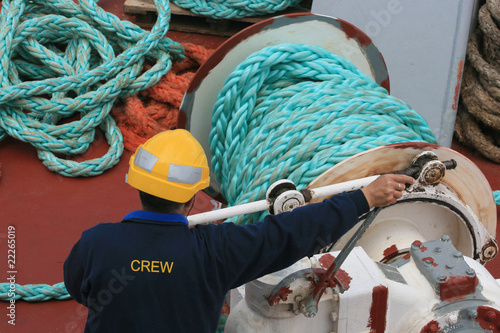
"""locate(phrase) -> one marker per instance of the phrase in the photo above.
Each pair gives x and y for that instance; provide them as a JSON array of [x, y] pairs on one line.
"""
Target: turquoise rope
[[60, 59], [496, 194], [293, 111], [224, 9], [33, 292], [102, 61]]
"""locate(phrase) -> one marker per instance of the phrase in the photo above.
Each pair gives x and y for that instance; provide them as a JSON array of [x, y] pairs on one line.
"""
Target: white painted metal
[[424, 45], [466, 183], [410, 303], [262, 205], [423, 216]]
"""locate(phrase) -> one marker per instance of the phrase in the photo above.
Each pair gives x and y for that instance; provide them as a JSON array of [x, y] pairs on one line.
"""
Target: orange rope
[[156, 109]]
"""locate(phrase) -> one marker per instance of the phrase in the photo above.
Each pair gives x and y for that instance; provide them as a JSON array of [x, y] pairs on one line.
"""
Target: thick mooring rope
[[293, 111], [63, 60], [156, 109], [33, 292], [478, 118], [224, 9]]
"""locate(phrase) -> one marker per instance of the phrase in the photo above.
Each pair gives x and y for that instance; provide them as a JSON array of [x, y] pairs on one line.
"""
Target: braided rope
[[33, 292], [294, 111], [223, 9], [59, 60]]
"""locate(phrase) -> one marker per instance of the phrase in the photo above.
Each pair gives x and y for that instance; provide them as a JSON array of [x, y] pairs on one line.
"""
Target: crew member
[[151, 272]]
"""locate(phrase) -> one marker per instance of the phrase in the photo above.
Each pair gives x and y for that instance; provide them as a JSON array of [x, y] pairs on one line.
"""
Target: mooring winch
[[418, 266], [421, 283]]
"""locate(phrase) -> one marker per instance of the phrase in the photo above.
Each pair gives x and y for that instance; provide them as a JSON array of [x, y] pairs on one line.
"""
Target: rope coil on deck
[[223, 9], [293, 111], [61, 60], [478, 119]]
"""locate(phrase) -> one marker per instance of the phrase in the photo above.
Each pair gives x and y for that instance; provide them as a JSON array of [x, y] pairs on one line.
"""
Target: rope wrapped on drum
[[293, 111], [61, 60], [478, 118], [223, 9]]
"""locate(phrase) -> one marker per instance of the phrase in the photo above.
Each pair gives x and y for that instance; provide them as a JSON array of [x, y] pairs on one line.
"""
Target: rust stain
[[341, 276], [378, 311], [352, 32], [386, 85], [431, 327], [419, 244], [281, 295], [456, 287], [431, 260], [488, 318], [457, 87], [215, 58], [390, 252]]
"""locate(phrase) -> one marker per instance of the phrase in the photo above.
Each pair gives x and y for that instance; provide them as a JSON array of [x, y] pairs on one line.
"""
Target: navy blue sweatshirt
[[152, 273]]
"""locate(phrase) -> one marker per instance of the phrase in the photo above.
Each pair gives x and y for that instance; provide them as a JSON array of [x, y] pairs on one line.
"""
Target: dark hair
[[158, 205]]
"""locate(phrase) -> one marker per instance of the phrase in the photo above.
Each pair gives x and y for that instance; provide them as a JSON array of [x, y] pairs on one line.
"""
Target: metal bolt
[[449, 266], [445, 238], [298, 298], [471, 272], [472, 314], [437, 250], [458, 254], [490, 252], [442, 278]]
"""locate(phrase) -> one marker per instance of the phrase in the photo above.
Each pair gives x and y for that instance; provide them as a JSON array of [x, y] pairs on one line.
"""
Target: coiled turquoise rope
[[496, 194], [61, 59], [224, 9], [293, 111]]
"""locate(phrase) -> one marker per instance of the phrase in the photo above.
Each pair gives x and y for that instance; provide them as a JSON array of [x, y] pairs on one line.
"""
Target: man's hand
[[386, 189]]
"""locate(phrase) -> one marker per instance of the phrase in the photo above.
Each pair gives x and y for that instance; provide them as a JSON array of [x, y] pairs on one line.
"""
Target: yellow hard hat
[[171, 165]]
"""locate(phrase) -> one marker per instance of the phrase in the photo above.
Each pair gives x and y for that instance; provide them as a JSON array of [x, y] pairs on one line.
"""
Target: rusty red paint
[[378, 311], [221, 52], [326, 260], [457, 87], [341, 276], [406, 256], [386, 84], [456, 287], [488, 318], [390, 252], [429, 259], [353, 32], [419, 244], [431, 327], [414, 145], [181, 119], [281, 295]]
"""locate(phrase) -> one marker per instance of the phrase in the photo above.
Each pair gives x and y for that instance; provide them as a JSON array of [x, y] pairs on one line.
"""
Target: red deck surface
[[50, 211]]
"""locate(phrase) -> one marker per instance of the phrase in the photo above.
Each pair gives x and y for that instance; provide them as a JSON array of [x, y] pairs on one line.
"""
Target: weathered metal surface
[[462, 205], [431, 292]]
